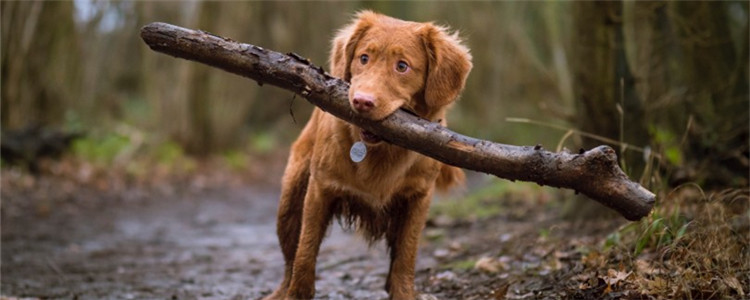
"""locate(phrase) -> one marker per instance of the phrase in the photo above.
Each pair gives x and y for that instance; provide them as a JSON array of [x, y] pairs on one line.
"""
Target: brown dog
[[390, 64]]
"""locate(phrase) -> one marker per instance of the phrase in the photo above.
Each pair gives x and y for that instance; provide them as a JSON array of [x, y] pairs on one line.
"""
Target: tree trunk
[[603, 87], [198, 137], [40, 56], [713, 73], [606, 101]]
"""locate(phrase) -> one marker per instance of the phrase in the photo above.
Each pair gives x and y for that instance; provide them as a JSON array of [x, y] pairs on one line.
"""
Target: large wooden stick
[[594, 173]]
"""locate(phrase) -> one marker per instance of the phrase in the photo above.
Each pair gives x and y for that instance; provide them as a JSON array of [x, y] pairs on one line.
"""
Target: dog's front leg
[[403, 241], [316, 216]]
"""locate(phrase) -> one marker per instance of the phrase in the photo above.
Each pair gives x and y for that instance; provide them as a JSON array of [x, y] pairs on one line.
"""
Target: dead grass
[[695, 245]]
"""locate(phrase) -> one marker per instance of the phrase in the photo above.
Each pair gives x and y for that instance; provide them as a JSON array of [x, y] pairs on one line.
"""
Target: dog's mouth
[[369, 137]]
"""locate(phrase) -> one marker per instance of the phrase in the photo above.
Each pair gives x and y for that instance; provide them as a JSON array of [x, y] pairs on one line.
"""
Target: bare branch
[[594, 173]]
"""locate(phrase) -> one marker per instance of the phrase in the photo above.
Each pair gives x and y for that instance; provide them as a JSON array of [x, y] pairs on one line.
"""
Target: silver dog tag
[[358, 151]]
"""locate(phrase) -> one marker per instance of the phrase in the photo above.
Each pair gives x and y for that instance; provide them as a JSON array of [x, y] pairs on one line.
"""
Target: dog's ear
[[448, 65], [346, 41]]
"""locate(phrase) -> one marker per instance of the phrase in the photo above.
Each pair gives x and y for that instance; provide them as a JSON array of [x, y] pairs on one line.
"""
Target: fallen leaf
[[487, 264], [593, 259], [614, 277], [501, 291]]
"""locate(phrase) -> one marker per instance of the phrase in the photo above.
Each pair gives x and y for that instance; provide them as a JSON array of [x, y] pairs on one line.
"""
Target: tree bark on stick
[[594, 173]]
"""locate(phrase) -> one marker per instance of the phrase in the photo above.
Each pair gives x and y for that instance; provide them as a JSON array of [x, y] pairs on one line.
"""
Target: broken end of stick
[[618, 192], [644, 203], [650, 197], [629, 199]]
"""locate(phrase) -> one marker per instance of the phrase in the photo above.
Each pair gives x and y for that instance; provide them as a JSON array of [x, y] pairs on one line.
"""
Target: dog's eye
[[402, 66], [364, 59]]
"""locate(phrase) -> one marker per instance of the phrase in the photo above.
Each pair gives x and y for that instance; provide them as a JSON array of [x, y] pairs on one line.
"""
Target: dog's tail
[[449, 177]]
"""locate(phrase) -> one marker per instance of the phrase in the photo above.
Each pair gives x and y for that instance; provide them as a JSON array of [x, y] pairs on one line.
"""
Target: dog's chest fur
[[371, 193]]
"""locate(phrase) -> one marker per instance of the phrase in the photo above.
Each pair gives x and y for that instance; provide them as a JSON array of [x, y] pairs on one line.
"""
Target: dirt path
[[209, 244], [61, 241]]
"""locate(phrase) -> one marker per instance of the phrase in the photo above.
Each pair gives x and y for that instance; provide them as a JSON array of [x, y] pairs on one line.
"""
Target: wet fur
[[387, 195]]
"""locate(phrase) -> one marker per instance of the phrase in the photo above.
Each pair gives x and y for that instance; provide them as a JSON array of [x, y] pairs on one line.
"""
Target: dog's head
[[392, 63]]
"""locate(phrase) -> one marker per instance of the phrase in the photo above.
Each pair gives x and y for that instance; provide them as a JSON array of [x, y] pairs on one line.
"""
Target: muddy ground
[[189, 239]]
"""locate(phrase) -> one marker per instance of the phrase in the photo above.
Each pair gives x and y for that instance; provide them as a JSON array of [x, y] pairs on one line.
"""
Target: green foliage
[[462, 265], [263, 142], [613, 239], [136, 111], [235, 159], [138, 153], [169, 152], [544, 233], [481, 203], [667, 140], [491, 200], [102, 150], [171, 156], [662, 228]]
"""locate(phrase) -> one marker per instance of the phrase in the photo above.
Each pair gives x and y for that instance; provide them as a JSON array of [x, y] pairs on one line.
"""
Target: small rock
[[505, 237], [445, 276], [441, 253]]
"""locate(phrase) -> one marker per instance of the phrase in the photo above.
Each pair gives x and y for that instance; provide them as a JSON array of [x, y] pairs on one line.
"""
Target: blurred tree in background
[[671, 77], [41, 62]]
